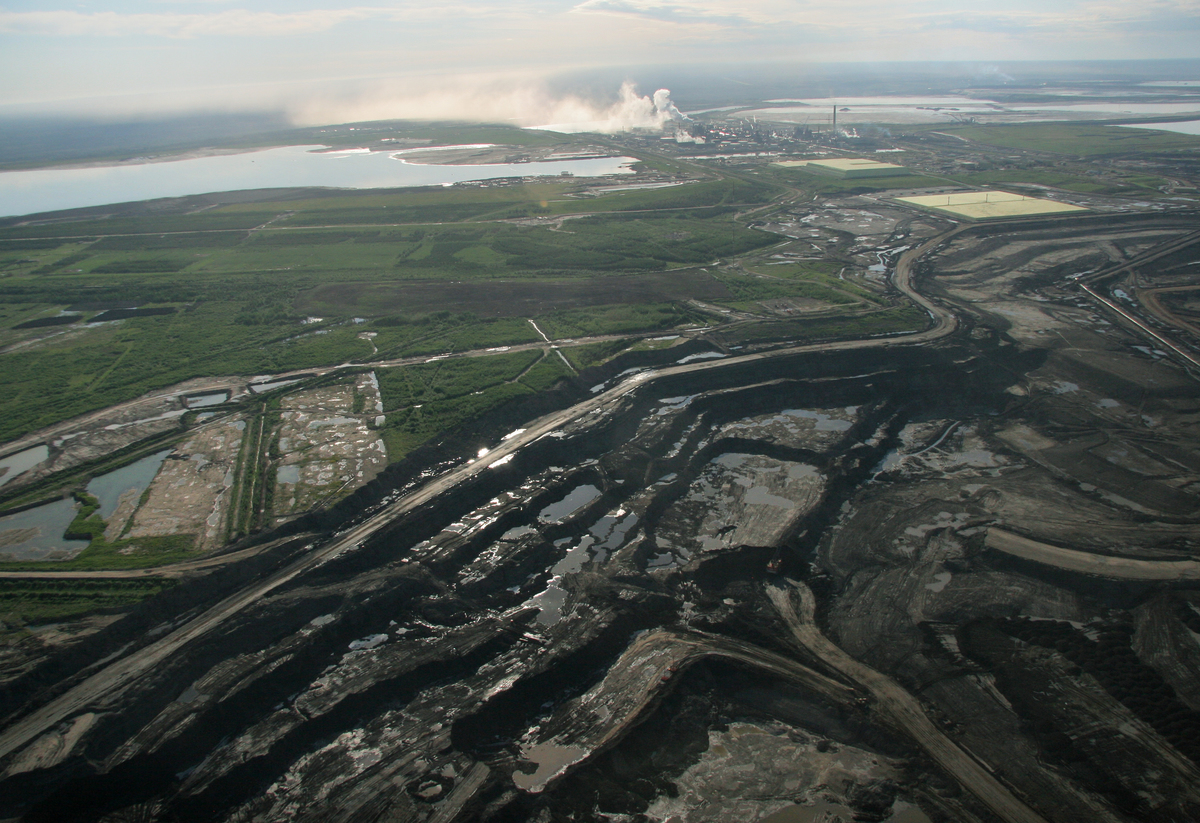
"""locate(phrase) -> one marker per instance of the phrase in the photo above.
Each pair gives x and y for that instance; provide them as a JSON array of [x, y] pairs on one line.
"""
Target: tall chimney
[[835, 120]]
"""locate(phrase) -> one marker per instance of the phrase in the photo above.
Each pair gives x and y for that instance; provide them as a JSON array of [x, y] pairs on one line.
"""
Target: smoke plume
[[488, 101]]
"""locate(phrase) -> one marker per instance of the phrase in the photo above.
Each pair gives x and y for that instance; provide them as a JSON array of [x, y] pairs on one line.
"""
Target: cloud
[[707, 11], [236, 22], [231, 22]]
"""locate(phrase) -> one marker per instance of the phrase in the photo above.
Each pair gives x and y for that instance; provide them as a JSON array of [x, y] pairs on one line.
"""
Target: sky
[[323, 61]]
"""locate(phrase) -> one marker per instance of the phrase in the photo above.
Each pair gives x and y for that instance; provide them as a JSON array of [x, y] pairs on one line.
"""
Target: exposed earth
[[947, 575]]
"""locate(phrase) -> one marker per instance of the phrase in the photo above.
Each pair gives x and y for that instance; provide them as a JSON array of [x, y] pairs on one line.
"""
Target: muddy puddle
[[108, 488], [551, 760]]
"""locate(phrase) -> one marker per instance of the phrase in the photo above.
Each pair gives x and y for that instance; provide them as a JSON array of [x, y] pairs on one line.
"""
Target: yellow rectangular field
[[989, 205], [847, 167]]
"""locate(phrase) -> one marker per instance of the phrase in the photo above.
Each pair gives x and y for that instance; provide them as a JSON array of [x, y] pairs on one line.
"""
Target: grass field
[[889, 321], [823, 184], [1078, 139], [241, 278], [1130, 185], [424, 400]]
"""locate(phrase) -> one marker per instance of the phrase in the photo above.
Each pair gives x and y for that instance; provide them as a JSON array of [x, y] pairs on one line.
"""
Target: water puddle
[[573, 502], [37, 534], [939, 582], [367, 643], [552, 759], [112, 427], [550, 603], [708, 355], [16, 464], [574, 559], [761, 496], [260, 388], [516, 533], [611, 531], [288, 474], [199, 401], [108, 488], [824, 422]]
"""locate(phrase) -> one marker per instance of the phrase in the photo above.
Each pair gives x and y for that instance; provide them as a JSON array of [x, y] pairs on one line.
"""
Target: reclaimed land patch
[[510, 298]]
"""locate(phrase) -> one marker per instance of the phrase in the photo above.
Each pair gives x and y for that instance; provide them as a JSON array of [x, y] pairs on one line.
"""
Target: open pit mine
[[943, 576]]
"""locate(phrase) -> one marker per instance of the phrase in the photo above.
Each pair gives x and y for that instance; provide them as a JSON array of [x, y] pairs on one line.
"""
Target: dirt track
[[1122, 568], [897, 706]]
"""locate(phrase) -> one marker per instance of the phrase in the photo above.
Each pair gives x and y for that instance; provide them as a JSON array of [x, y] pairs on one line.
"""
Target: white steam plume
[[489, 101]]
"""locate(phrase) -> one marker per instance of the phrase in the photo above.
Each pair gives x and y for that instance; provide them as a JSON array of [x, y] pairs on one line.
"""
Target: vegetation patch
[[26, 602], [620, 319], [889, 321], [450, 378], [1075, 138], [583, 357], [506, 298], [546, 373]]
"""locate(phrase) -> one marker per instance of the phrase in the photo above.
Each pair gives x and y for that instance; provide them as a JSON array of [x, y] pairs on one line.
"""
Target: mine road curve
[[899, 708], [170, 570], [1120, 568], [639, 677], [121, 673]]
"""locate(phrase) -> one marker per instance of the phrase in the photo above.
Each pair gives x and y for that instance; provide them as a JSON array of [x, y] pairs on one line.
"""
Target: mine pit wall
[[926, 372]]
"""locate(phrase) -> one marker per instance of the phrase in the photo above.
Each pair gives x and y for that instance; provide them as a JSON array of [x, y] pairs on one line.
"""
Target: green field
[[822, 184], [337, 278], [1078, 139], [239, 292], [1129, 185]]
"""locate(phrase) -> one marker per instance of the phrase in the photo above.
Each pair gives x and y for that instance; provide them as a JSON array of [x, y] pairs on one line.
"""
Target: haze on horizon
[[326, 62]]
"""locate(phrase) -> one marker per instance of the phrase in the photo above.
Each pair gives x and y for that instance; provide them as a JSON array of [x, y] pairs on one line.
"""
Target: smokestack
[[835, 120]]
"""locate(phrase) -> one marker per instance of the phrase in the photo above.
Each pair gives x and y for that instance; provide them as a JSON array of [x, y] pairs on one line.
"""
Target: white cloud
[[231, 22]]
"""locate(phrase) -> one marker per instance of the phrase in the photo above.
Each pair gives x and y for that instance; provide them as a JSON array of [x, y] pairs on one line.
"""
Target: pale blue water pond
[[40, 190], [108, 488], [37, 534]]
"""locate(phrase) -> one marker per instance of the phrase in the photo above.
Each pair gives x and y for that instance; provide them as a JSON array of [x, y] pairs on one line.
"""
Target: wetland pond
[[42, 190], [37, 533], [108, 488], [17, 464]]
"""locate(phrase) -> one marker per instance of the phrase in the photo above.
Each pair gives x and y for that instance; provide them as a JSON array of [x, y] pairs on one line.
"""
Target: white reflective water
[[40, 190]]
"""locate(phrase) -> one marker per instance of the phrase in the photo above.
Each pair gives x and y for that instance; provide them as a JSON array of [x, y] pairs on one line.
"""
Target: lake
[[1181, 127], [41, 190]]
